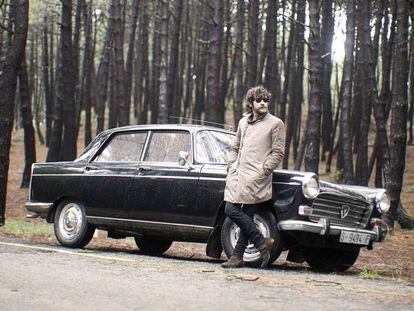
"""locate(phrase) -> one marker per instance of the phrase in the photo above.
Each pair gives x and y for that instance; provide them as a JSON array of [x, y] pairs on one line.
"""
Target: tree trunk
[[141, 66], [252, 43], [239, 88], [52, 69], [327, 32], [298, 79], [111, 96], [315, 100], [347, 80], [214, 110], [295, 86], [87, 73], [368, 78], [411, 110], [36, 92], [188, 98], [225, 75], [130, 56], [398, 135], [48, 95], [27, 118], [80, 4], [103, 74], [121, 112], [173, 108], [8, 79], [202, 37], [156, 58], [145, 64], [66, 84], [272, 77], [163, 111], [281, 112], [55, 145]]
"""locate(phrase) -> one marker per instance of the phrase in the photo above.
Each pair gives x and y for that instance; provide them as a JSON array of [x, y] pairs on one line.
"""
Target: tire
[[267, 224], [70, 225], [328, 260], [152, 245]]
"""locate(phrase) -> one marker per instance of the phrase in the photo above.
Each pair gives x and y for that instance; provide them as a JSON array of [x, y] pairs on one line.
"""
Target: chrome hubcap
[[251, 254], [70, 221]]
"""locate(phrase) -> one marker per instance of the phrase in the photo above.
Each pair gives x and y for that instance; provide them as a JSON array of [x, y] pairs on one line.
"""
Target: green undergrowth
[[369, 274], [26, 226]]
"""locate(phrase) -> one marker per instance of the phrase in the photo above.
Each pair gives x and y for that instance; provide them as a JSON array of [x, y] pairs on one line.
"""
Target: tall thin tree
[[8, 79]]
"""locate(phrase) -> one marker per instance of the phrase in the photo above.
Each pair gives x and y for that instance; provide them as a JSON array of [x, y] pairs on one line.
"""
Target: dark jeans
[[242, 215]]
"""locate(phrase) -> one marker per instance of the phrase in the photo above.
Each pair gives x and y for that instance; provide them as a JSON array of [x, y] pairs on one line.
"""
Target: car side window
[[165, 146], [213, 146], [123, 148]]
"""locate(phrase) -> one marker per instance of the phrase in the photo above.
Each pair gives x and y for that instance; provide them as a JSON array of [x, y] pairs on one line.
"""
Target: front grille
[[329, 205]]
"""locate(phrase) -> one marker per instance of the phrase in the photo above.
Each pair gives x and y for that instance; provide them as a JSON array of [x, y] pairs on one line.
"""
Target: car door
[[163, 190], [110, 173]]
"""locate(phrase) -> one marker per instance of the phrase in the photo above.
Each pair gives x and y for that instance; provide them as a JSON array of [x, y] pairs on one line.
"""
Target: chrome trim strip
[[30, 184], [150, 222], [166, 177], [144, 149], [38, 207], [120, 175], [85, 175], [292, 183], [213, 178], [299, 225]]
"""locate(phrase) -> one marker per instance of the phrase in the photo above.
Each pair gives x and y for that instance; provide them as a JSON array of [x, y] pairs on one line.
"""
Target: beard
[[260, 111]]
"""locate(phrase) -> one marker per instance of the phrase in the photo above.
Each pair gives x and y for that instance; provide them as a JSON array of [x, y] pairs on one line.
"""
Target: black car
[[165, 183]]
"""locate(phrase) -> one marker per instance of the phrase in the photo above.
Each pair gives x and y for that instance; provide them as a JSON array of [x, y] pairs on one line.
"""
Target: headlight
[[382, 201], [310, 186]]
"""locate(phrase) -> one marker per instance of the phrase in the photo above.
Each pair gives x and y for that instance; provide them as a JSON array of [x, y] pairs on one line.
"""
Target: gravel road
[[47, 277]]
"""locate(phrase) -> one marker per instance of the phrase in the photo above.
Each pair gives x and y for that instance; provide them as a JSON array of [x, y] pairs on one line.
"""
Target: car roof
[[187, 127]]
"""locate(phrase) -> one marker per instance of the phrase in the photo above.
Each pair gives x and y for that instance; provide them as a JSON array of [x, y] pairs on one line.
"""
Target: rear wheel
[[70, 225], [267, 225], [330, 259], [152, 245]]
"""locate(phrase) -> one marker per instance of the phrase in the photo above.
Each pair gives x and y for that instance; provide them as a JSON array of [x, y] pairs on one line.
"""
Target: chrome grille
[[329, 205]]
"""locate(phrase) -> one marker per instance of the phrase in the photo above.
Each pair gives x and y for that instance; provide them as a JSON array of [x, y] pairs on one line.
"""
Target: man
[[258, 149]]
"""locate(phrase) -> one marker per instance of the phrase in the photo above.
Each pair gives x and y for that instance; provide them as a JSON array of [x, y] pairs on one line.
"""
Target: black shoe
[[233, 262], [264, 250]]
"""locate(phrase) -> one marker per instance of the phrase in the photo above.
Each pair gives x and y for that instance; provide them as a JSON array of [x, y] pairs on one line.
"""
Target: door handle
[[91, 168], [145, 168]]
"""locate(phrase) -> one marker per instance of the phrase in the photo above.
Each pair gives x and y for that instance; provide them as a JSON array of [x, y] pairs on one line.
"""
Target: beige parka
[[258, 148]]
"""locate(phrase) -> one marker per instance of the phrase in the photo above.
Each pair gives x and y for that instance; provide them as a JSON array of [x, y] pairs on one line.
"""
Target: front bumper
[[323, 227], [41, 209]]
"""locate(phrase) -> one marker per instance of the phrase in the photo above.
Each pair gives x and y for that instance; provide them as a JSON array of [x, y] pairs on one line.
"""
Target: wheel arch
[[51, 215], [214, 245]]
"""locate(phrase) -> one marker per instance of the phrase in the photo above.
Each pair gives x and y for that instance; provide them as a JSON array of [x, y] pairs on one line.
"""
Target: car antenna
[[194, 121]]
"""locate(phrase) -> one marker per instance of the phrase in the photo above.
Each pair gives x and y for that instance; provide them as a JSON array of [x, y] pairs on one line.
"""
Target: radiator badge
[[345, 211]]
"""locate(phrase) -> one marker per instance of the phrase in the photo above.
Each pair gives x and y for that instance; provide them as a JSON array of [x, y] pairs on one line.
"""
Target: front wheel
[[267, 225], [152, 245], [70, 225], [330, 259]]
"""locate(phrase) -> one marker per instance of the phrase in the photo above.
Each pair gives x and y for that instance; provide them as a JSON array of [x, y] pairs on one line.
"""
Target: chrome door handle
[[145, 168], [91, 168]]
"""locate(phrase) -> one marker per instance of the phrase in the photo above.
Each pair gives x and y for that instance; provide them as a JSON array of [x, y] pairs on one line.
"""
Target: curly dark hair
[[256, 92]]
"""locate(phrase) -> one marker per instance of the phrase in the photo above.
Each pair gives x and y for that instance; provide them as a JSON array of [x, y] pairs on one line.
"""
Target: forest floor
[[392, 259]]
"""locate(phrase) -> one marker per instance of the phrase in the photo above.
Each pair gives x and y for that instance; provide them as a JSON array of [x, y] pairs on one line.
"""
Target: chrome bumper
[[324, 228], [39, 208]]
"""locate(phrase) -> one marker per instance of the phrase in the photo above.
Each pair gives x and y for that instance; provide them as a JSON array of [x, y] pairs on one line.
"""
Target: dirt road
[[47, 277]]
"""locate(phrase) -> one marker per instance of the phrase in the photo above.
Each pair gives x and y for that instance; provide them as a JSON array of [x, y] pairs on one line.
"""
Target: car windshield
[[213, 146]]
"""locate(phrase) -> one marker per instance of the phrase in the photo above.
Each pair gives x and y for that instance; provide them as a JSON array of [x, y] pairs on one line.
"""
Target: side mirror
[[183, 158]]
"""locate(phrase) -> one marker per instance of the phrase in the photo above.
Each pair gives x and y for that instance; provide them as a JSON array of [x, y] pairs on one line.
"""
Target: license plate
[[354, 238]]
